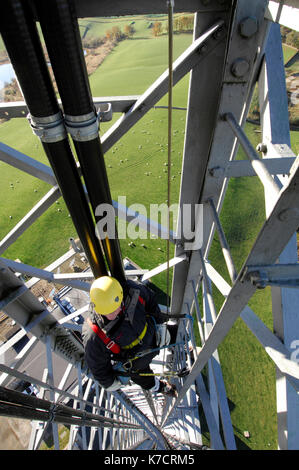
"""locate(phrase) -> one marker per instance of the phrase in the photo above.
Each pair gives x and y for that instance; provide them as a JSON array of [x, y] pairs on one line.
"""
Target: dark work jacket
[[123, 330]]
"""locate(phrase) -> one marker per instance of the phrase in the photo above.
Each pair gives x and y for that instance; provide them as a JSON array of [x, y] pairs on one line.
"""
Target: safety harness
[[126, 366], [109, 343], [112, 345]]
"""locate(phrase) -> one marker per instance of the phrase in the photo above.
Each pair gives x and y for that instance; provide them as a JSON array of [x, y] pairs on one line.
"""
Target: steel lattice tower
[[236, 47]]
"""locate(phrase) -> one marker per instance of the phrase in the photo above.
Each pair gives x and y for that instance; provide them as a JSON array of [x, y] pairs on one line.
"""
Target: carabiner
[[143, 353], [129, 361]]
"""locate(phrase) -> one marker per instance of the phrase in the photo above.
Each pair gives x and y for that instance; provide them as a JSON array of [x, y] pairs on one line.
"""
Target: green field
[[136, 169], [288, 52]]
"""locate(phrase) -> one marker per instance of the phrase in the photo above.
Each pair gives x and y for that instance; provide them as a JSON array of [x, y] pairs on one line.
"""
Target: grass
[[288, 52], [136, 169], [129, 69], [48, 237], [248, 373]]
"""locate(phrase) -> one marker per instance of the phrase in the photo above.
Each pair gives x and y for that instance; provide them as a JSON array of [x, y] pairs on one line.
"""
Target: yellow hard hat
[[106, 294]]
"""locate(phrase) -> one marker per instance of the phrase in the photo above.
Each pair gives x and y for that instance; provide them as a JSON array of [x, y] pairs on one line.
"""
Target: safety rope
[[127, 365], [170, 4]]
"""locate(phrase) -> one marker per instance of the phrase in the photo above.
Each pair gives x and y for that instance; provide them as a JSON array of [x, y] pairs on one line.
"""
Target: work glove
[[162, 335], [114, 386]]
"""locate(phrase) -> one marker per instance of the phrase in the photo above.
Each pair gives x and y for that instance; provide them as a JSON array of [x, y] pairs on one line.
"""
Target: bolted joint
[[202, 49], [248, 27], [105, 112], [240, 67], [218, 33], [288, 214], [258, 279], [262, 148]]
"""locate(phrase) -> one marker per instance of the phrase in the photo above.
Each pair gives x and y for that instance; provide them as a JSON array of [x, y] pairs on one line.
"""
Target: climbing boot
[[167, 389]]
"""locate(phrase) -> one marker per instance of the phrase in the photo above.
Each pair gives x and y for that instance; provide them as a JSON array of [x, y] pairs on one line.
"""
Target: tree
[[108, 34], [157, 28], [116, 33], [293, 39], [129, 30]]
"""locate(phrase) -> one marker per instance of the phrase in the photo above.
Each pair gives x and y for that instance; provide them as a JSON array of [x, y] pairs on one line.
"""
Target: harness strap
[[109, 343], [137, 340]]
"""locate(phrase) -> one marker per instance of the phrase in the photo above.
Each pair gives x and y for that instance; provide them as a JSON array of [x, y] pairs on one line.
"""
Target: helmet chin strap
[[91, 306]]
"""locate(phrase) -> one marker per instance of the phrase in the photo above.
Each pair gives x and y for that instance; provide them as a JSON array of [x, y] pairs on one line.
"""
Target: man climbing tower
[[122, 323]]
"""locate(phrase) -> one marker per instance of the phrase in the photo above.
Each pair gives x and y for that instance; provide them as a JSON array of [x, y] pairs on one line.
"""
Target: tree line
[[289, 36], [114, 34], [182, 24]]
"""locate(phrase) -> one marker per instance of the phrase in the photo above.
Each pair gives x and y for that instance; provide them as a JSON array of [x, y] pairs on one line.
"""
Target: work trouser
[[148, 381]]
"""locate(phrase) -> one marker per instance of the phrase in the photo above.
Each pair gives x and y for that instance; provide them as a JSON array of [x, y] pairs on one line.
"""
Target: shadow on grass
[[240, 444]]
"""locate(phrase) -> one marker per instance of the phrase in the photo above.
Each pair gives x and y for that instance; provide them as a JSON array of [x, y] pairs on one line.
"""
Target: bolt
[[240, 67], [288, 214], [248, 27], [217, 33], [202, 49], [262, 148]]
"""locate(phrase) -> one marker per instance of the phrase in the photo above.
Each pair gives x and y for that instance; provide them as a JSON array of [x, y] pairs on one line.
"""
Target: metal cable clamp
[[49, 128], [82, 128]]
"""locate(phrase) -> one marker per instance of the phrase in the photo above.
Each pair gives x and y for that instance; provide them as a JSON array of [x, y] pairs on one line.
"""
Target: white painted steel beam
[[194, 54], [38, 427], [27, 311], [216, 441], [224, 244], [120, 104], [270, 242], [273, 346], [270, 185], [285, 12], [241, 168], [276, 133], [46, 275], [235, 91], [62, 259], [27, 164], [162, 267], [284, 275], [201, 116], [19, 359], [215, 374], [151, 226]]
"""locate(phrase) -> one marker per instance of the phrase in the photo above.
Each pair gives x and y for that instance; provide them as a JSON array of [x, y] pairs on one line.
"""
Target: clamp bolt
[[261, 148], [240, 67], [248, 27]]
